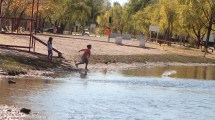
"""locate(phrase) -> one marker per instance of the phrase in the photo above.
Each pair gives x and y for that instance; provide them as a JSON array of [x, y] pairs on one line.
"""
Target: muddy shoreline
[[10, 112], [54, 72]]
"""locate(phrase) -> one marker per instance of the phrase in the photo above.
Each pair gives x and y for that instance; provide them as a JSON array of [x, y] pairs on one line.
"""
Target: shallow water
[[187, 72], [160, 93]]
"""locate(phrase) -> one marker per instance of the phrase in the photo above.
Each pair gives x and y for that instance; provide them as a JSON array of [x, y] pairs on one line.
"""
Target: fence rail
[[39, 40]]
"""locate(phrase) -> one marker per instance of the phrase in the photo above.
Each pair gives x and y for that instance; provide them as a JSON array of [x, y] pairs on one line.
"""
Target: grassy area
[[150, 58], [14, 65]]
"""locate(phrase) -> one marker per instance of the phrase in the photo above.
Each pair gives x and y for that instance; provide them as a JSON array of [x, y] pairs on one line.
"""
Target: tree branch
[[205, 13], [193, 27], [202, 22]]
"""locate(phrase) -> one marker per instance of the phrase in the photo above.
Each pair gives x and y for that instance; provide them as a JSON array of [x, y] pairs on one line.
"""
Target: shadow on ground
[[21, 60]]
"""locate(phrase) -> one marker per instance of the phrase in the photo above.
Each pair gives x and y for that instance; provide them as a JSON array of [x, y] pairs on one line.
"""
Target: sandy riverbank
[[105, 56]]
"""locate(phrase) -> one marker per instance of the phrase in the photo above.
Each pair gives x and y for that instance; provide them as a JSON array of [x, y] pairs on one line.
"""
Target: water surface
[[186, 72], [160, 93]]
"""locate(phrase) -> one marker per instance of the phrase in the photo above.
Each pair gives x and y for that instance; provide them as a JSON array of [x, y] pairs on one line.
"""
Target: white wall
[[211, 39]]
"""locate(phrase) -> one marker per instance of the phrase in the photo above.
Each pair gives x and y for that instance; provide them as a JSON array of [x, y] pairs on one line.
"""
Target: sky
[[120, 1]]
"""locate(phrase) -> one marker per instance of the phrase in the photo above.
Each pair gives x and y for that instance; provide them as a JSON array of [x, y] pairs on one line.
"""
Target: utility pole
[[36, 23], [1, 7], [1, 14], [110, 21]]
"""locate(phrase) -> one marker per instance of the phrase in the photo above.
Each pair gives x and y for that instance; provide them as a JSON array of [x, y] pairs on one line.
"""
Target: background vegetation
[[176, 18]]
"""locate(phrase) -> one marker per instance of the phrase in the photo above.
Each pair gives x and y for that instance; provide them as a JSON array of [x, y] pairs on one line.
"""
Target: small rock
[[11, 82], [25, 110], [9, 110]]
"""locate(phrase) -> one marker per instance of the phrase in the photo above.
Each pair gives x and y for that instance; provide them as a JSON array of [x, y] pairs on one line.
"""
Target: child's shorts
[[84, 60]]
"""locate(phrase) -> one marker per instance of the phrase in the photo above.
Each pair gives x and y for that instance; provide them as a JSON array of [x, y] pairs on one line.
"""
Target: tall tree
[[136, 5], [208, 8], [189, 19]]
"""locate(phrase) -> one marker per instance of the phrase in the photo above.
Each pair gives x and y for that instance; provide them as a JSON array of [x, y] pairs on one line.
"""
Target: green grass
[[20, 64], [149, 58], [14, 65]]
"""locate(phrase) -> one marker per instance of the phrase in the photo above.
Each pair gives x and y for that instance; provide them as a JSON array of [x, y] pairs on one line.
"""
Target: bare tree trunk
[[20, 16], [5, 13], [198, 35], [1, 1], [208, 34]]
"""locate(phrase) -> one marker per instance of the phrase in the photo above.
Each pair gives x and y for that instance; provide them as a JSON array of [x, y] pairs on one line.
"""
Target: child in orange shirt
[[85, 56]]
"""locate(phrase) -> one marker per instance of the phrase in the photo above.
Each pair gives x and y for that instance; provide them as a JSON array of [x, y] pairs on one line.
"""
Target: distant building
[[211, 39]]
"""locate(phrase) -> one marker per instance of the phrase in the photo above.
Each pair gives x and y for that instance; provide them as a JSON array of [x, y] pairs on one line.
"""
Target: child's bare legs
[[78, 64], [50, 55], [83, 60], [86, 66], [81, 63]]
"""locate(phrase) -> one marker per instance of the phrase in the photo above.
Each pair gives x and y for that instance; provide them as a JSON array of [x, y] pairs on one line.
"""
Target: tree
[[140, 13], [60, 13], [208, 8], [97, 7], [190, 20], [15, 8], [137, 5], [116, 12], [80, 12], [103, 17], [119, 19]]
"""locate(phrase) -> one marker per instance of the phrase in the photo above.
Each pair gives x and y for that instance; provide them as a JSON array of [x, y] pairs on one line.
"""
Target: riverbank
[[10, 113], [27, 65], [105, 55]]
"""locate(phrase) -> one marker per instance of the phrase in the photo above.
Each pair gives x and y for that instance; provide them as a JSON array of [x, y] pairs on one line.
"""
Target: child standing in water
[[85, 56], [49, 46]]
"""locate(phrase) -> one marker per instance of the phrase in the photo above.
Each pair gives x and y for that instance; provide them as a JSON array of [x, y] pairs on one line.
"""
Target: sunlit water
[[158, 93]]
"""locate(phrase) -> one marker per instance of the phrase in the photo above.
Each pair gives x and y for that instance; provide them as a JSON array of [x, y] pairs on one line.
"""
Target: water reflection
[[83, 74], [190, 72], [22, 88]]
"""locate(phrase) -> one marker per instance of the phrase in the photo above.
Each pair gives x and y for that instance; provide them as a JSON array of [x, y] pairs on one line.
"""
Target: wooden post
[[150, 35], [110, 22], [34, 44], [32, 16], [157, 37], [109, 34], [36, 25], [1, 13], [17, 31], [1, 7], [12, 26]]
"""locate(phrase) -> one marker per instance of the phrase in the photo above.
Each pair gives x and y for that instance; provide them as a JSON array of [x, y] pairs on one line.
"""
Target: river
[[154, 93]]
